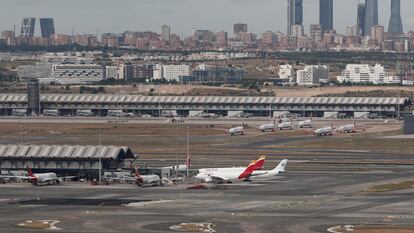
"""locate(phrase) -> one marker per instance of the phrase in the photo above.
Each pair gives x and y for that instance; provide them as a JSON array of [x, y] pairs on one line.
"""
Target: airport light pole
[[21, 134], [188, 152], [100, 157]]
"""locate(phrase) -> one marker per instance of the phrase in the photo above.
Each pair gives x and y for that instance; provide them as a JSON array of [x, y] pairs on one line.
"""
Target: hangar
[[83, 161]]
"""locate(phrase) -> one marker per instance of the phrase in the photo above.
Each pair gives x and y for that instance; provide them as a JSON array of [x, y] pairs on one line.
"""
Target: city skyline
[[120, 18]]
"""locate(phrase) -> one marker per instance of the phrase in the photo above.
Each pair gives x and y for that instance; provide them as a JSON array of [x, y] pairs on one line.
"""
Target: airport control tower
[[33, 97]]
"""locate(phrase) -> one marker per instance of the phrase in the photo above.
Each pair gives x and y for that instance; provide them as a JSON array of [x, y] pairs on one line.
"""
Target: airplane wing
[[219, 179]]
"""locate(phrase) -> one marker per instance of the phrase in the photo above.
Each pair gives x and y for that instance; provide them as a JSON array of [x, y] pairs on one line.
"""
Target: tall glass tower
[[395, 26], [28, 27], [47, 27], [294, 14], [361, 19], [326, 14], [371, 15]]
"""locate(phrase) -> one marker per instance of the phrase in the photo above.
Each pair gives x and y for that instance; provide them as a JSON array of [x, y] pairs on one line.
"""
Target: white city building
[[364, 73], [111, 72], [286, 73], [312, 75], [171, 72]]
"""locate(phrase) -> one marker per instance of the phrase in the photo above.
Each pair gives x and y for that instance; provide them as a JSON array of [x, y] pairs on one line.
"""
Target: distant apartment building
[[286, 73], [316, 32], [170, 72], [297, 31], [352, 31], [377, 33], [111, 72], [364, 73], [166, 33], [239, 28], [222, 38], [126, 72], [312, 75], [269, 38]]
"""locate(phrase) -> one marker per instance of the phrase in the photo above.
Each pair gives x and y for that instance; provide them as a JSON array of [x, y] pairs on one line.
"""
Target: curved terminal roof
[[66, 152], [131, 99]]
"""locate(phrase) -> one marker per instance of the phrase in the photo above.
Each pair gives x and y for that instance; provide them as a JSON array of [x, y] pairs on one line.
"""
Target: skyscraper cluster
[[47, 27], [367, 16]]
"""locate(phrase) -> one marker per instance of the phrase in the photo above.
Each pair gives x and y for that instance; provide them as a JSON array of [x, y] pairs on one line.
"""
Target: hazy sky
[[91, 16]]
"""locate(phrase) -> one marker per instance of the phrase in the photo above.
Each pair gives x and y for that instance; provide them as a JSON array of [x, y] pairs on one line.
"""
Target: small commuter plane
[[306, 123], [268, 127], [269, 174], [231, 174], [147, 180], [236, 130], [351, 128]]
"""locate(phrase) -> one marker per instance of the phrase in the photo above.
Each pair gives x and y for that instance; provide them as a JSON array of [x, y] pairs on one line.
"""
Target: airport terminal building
[[101, 104], [66, 160]]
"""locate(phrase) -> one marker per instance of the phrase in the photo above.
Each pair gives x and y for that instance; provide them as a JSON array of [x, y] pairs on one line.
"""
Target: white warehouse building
[[286, 73], [312, 75], [364, 73]]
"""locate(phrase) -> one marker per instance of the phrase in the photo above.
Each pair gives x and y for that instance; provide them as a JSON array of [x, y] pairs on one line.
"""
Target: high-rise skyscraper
[[361, 19], [47, 27], [294, 14], [28, 27], [326, 15], [395, 26], [166, 33], [371, 15]]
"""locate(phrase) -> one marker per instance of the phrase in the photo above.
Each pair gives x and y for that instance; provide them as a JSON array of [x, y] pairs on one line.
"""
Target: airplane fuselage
[[267, 127], [323, 131], [236, 130]]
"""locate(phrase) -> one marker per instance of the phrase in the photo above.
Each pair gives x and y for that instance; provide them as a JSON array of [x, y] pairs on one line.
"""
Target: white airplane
[[329, 130], [268, 127], [49, 178], [306, 123], [236, 130], [269, 174], [285, 124], [147, 180], [351, 128], [229, 175]]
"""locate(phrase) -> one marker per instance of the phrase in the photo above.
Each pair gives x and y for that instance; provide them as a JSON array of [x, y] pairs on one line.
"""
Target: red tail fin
[[29, 170], [138, 177], [248, 171], [260, 162]]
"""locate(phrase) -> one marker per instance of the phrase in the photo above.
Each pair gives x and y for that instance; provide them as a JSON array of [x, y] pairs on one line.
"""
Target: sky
[[98, 16]]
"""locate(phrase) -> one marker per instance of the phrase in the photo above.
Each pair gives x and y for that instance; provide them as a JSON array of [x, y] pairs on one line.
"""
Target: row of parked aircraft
[[284, 124], [206, 175]]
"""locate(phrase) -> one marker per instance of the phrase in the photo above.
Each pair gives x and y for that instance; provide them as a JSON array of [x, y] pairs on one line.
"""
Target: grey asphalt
[[295, 202]]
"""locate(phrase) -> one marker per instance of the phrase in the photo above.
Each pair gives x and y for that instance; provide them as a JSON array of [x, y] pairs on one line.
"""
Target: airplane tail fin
[[138, 177], [248, 171], [29, 170], [281, 166], [260, 162]]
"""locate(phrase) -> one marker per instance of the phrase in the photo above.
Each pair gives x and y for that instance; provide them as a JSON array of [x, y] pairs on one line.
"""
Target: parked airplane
[[49, 178], [351, 128], [269, 174], [329, 130], [285, 125], [268, 127], [306, 123], [236, 130], [229, 175], [147, 180]]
